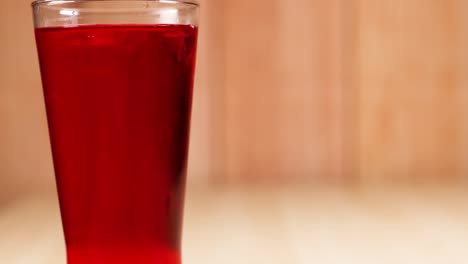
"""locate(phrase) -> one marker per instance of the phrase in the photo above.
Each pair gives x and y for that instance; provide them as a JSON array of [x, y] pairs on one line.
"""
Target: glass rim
[[48, 2]]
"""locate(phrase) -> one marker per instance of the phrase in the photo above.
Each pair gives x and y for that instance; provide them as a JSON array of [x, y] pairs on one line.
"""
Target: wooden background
[[340, 91], [412, 90], [320, 91]]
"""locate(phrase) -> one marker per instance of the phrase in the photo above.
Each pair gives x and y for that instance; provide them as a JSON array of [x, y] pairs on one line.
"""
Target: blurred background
[[323, 131]]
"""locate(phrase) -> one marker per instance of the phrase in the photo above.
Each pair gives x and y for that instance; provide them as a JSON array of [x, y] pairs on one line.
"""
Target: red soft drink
[[118, 100]]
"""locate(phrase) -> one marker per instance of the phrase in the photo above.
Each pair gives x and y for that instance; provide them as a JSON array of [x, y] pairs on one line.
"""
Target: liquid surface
[[118, 102]]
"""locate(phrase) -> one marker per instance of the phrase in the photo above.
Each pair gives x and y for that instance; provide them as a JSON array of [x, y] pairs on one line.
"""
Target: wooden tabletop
[[284, 226]]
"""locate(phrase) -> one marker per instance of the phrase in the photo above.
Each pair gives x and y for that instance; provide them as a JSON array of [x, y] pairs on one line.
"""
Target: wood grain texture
[[350, 89], [283, 95], [207, 152], [26, 164], [412, 91]]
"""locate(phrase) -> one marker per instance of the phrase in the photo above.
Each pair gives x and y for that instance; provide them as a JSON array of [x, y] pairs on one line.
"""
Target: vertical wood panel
[[283, 91], [350, 42], [26, 165], [251, 68], [206, 157], [413, 107], [462, 12]]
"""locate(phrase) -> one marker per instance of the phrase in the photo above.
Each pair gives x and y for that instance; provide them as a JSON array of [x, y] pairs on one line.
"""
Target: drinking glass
[[117, 77]]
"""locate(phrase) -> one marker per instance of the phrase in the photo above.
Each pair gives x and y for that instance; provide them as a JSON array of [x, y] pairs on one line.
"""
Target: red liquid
[[118, 102]]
